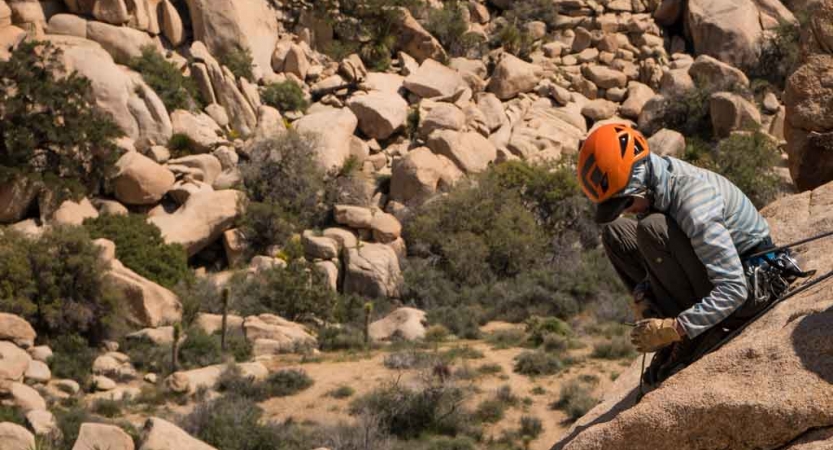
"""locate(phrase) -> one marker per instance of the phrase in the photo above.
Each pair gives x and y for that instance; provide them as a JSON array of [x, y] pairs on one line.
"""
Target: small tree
[[239, 61], [175, 89], [49, 129], [285, 96]]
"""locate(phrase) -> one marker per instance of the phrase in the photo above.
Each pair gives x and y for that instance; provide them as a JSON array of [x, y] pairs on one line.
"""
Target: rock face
[[332, 131], [271, 334], [434, 80], [787, 351], [15, 437], [379, 113], [809, 117], [470, 151], [513, 76], [235, 26], [372, 270], [201, 220], [405, 323], [93, 436], [420, 174], [13, 361], [14, 328], [728, 32], [141, 181], [151, 305], [159, 434], [135, 107], [190, 381], [731, 112]]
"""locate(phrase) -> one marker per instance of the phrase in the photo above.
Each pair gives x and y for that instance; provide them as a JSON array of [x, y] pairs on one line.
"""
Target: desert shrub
[[437, 334], [435, 408], [461, 352], [331, 339], [452, 443], [463, 321], [239, 61], [746, 159], [514, 40], [180, 145], [538, 328], [175, 89], [530, 426], [283, 182], [448, 25], [490, 369], [147, 356], [57, 284], [139, 246], [284, 96], [72, 358], [50, 130], [234, 423], [69, 423], [555, 343], [490, 411], [503, 339], [575, 399], [13, 415], [535, 363], [688, 112], [408, 359], [524, 11], [505, 395], [287, 382], [342, 392], [199, 349], [198, 295], [296, 292], [106, 407], [616, 348], [780, 53]]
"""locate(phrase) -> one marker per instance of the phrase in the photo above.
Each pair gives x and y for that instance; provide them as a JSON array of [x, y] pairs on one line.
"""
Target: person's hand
[[651, 335]]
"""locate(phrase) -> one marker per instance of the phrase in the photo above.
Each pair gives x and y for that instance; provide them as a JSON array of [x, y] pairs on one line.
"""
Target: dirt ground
[[365, 372]]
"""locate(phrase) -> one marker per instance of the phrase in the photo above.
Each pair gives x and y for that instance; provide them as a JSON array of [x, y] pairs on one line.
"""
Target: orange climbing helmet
[[607, 160]]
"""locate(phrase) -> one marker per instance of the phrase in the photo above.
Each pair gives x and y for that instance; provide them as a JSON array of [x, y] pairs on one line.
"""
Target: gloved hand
[[651, 335]]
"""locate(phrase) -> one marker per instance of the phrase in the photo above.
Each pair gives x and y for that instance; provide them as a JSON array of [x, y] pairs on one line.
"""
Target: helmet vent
[[623, 144], [637, 147]]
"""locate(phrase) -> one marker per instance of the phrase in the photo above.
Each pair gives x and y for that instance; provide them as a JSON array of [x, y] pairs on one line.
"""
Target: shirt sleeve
[[700, 216]]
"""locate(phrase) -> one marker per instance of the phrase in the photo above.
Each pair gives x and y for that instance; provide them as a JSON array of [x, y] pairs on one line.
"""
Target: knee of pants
[[652, 232], [615, 235]]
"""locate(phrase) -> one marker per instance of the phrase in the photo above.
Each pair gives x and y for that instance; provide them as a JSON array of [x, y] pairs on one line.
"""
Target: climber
[[682, 255]]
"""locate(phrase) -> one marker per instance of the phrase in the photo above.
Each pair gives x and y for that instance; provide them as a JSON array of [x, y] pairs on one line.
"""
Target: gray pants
[[655, 247]]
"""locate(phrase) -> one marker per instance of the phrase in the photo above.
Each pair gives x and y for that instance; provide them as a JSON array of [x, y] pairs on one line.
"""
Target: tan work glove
[[651, 335]]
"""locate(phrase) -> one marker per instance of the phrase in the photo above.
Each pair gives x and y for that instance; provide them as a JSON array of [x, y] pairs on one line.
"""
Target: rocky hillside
[[333, 176]]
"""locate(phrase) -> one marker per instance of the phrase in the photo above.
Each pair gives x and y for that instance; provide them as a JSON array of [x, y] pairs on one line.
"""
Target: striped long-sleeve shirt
[[721, 222]]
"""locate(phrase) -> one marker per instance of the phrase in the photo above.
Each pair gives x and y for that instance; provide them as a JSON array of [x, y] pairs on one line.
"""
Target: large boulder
[[809, 126], [774, 377], [15, 198], [372, 270], [74, 213], [716, 74], [546, 129], [414, 40], [605, 77], [439, 116], [140, 181], [122, 43], [201, 220], [13, 361], [435, 80], [732, 32], [150, 305], [190, 381], [271, 334], [16, 329], [730, 112], [15, 437], [403, 323], [123, 94], [667, 142], [21, 396], [638, 96], [332, 130], [95, 436], [470, 151], [380, 114], [202, 131], [420, 174], [234, 26], [513, 76], [159, 434]]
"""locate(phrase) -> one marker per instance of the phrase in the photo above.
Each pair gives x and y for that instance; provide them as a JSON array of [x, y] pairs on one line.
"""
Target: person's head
[[609, 162]]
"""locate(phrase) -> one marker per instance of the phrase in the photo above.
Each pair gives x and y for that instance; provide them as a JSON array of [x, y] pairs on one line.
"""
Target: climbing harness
[[770, 273]]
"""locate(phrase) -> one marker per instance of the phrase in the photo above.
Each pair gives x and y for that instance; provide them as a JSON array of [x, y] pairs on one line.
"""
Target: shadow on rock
[[812, 340]]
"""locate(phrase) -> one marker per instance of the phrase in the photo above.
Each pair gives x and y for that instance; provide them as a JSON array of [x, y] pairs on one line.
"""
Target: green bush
[[490, 411], [106, 407], [616, 348], [514, 40], [57, 284], [575, 399], [72, 358], [531, 427], [503, 339], [199, 350], [284, 96], [331, 339], [449, 26], [452, 443], [746, 159], [296, 292], [342, 392], [408, 413], [180, 145], [239, 61], [287, 382], [13, 415], [69, 423], [51, 132], [283, 182], [175, 89], [555, 343], [140, 247], [780, 53], [536, 363], [490, 369], [147, 356], [538, 328]]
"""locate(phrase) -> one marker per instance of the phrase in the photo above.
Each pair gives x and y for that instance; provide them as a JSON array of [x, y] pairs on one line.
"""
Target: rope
[[794, 244]]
